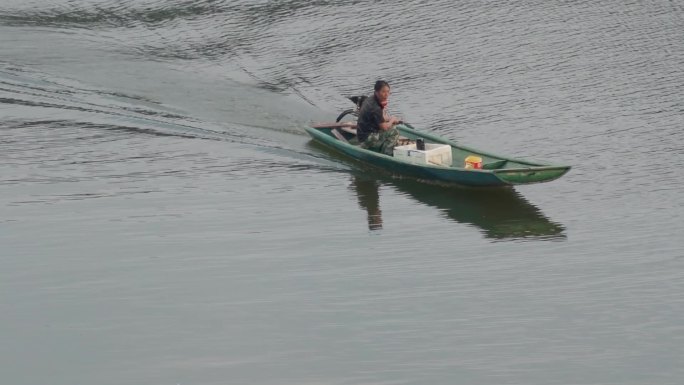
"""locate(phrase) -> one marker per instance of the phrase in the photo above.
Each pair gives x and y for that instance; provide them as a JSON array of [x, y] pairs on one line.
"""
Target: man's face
[[383, 94]]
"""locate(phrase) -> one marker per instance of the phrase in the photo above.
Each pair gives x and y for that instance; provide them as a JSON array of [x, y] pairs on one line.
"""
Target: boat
[[494, 170]]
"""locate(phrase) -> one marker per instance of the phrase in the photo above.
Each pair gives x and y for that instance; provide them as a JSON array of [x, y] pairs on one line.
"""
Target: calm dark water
[[164, 219]]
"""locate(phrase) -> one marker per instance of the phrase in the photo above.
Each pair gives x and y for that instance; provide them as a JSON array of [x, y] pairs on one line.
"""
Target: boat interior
[[347, 133]]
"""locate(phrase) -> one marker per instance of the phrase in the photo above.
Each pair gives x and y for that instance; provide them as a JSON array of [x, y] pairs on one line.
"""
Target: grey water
[[165, 219]]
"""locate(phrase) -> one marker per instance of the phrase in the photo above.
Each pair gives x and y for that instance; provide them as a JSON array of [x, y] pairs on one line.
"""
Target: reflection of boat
[[500, 213]]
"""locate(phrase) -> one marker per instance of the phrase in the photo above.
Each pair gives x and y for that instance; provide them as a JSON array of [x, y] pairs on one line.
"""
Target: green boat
[[495, 170]]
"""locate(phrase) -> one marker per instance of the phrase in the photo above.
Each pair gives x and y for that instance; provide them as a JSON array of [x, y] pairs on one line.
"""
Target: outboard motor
[[358, 101]]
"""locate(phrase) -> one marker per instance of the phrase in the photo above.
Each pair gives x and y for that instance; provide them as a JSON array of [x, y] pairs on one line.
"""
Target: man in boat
[[375, 126]]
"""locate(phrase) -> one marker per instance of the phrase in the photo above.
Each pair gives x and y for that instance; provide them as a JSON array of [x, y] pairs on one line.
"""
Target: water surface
[[164, 218]]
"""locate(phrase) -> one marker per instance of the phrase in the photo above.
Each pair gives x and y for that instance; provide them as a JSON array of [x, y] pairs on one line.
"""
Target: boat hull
[[517, 172]]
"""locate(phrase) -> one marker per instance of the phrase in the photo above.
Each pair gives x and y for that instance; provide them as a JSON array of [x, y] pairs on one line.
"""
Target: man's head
[[382, 91]]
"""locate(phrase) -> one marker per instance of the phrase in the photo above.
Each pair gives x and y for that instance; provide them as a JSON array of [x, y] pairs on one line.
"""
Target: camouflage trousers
[[383, 142]]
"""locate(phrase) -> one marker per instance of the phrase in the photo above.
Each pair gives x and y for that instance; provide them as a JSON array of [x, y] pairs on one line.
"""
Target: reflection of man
[[369, 200]]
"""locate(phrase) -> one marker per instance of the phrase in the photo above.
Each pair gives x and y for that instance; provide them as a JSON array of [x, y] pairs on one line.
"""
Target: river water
[[165, 219]]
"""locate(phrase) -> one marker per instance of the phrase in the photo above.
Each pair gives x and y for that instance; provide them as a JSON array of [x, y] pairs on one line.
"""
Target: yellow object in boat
[[473, 162]]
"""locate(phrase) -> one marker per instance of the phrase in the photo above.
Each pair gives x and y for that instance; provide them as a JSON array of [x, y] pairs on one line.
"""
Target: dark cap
[[381, 83]]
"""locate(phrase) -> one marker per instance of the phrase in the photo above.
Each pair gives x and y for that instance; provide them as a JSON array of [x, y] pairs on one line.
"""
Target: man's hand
[[393, 120]]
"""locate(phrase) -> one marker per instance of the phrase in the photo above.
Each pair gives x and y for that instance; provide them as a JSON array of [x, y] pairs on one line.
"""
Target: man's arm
[[389, 124]]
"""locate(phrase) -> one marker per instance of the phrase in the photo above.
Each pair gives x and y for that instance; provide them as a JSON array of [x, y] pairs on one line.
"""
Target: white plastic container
[[434, 154]]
